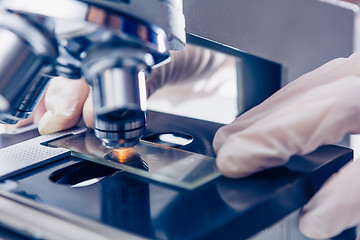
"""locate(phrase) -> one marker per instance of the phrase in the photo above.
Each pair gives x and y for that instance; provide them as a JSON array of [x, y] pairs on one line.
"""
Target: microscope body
[[113, 45]]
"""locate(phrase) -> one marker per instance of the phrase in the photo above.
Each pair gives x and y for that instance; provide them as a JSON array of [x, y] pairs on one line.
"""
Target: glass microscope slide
[[159, 163]]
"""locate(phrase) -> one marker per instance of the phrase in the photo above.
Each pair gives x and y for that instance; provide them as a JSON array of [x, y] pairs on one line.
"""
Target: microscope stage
[[150, 197]]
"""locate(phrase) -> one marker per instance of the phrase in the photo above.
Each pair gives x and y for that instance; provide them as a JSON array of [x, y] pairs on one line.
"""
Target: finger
[[322, 115], [335, 207], [88, 111], [327, 73], [64, 101]]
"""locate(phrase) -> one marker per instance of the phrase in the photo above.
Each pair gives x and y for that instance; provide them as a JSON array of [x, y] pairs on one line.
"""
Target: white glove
[[64, 100], [318, 108], [189, 64]]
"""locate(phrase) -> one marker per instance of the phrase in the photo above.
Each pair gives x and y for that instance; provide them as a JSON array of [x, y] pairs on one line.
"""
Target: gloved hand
[[318, 108], [67, 100]]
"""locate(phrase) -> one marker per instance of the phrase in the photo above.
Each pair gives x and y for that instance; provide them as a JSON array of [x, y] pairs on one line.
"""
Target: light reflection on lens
[[123, 154], [127, 156]]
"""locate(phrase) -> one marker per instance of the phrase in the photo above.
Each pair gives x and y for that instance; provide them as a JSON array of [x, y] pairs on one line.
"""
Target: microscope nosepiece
[[114, 46]]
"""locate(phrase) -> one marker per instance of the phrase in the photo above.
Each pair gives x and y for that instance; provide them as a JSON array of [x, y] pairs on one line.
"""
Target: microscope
[[68, 186], [113, 44]]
